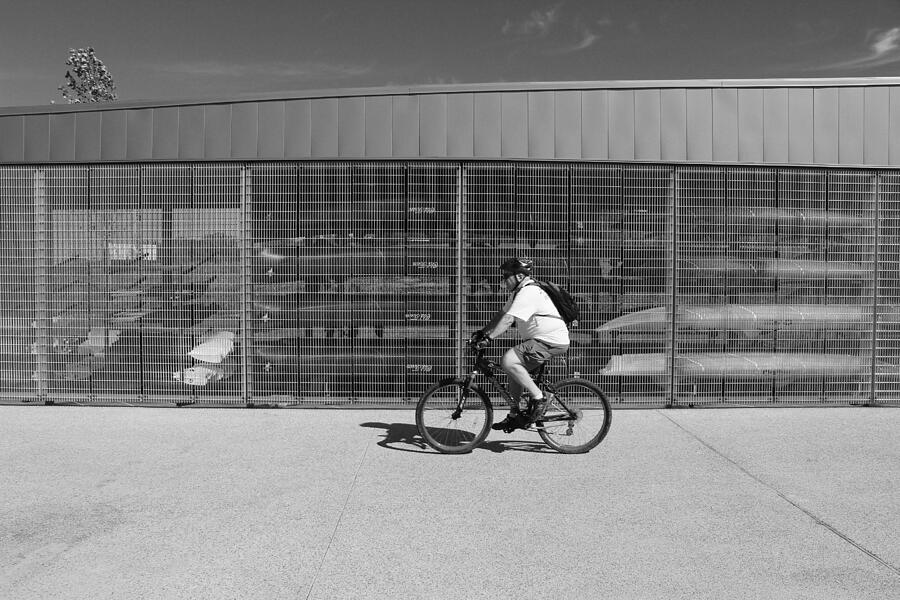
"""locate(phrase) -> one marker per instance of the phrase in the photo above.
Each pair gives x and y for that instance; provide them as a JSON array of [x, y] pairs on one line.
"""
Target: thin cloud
[[304, 70], [537, 23], [587, 39], [883, 49]]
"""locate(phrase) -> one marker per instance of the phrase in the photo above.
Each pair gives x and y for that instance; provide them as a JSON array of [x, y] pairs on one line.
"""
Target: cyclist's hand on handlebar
[[480, 340]]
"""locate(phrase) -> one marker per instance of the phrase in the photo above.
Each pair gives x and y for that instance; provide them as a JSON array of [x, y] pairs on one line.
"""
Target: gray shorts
[[534, 353]]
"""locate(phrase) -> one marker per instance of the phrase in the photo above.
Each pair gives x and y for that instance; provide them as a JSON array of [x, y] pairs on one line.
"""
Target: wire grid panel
[[378, 278], [595, 265], [702, 271], [277, 327], [800, 270], [489, 238], [73, 254], [639, 338], [887, 332], [750, 317], [847, 332], [210, 286], [168, 259], [327, 290], [110, 351], [430, 327], [19, 345]]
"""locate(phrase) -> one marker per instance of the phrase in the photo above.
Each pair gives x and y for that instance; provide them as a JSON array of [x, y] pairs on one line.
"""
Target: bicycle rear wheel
[[577, 419], [453, 418]]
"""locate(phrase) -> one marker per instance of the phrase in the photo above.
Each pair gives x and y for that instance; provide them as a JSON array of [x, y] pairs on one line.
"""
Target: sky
[[205, 49]]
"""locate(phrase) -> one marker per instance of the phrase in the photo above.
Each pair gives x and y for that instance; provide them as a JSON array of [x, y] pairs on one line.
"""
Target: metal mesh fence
[[354, 283]]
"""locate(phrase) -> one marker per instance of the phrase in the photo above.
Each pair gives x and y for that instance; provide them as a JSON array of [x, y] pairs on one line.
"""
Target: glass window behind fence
[[355, 282]]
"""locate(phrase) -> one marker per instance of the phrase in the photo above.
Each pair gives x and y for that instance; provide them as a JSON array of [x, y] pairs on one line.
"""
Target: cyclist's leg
[[517, 364]]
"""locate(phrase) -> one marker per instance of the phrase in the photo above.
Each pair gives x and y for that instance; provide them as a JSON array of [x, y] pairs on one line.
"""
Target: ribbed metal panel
[[271, 130], [621, 124], [877, 126], [139, 127], [87, 136], [165, 133], [801, 127], [725, 125], [851, 126], [567, 116], [62, 137], [324, 128], [379, 123], [776, 126], [405, 127], [460, 125], [191, 132], [487, 113], [699, 125], [894, 129], [12, 139], [541, 125], [217, 132], [751, 126], [433, 126], [245, 130], [298, 129], [647, 125], [514, 125], [595, 125], [673, 125], [825, 119], [352, 127]]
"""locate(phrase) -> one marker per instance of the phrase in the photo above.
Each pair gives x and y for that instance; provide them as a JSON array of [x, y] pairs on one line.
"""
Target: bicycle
[[455, 415]]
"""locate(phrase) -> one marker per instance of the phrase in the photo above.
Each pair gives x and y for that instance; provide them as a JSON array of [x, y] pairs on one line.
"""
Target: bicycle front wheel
[[453, 418], [577, 419]]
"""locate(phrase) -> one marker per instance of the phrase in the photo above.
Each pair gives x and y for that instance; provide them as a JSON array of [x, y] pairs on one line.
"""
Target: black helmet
[[517, 265]]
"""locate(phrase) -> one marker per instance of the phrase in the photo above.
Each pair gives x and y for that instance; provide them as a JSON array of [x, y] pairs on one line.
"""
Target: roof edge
[[459, 88]]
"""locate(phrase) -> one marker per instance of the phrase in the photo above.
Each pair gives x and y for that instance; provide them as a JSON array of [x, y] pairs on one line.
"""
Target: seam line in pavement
[[338, 523], [818, 520]]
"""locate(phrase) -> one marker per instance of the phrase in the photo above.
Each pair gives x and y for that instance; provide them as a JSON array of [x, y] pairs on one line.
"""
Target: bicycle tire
[[584, 433], [444, 432]]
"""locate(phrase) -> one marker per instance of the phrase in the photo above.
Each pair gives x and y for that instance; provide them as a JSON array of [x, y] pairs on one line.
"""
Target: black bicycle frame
[[488, 368]]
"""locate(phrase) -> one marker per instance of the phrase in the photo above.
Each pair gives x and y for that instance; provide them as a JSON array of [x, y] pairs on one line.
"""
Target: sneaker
[[536, 408], [513, 421]]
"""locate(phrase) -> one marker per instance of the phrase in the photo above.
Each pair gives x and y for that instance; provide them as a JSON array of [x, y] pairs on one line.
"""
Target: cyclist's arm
[[499, 324]]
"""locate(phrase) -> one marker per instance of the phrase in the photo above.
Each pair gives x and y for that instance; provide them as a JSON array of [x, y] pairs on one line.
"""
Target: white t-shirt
[[536, 315]]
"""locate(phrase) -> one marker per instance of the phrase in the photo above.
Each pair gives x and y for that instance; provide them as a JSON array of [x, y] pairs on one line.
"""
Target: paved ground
[[215, 503]]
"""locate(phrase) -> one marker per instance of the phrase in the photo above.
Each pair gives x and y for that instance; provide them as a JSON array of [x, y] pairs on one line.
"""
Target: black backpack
[[563, 301]]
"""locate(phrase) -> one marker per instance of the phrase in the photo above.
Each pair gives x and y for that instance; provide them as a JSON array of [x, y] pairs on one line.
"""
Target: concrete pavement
[[221, 503]]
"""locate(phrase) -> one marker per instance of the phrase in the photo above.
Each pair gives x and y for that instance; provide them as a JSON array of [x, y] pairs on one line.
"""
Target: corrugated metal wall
[[354, 282], [828, 125]]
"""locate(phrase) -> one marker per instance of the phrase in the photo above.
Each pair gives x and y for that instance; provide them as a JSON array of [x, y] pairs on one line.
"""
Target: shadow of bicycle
[[405, 437]]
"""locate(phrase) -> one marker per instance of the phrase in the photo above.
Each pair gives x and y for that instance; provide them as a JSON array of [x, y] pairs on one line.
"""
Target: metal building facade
[[729, 242]]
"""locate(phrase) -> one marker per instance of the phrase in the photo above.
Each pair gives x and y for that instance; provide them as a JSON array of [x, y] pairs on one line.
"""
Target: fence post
[[876, 271], [41, 285], [246, 384], [460, 270]]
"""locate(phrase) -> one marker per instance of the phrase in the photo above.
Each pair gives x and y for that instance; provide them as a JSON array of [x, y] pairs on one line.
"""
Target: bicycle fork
[[461, 399]]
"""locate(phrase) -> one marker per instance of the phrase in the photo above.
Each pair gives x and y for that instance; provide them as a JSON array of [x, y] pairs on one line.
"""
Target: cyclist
[[545, 333]]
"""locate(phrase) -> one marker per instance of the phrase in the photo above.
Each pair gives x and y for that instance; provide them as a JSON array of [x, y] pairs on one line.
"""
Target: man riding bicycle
[[545, 333]]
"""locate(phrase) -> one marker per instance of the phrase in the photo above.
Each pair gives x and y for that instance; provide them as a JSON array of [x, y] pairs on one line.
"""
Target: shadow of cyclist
[[405, 438], [397, 435]]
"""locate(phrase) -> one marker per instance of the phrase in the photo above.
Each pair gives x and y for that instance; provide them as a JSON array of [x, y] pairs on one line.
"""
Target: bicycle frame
[[488, 368]]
